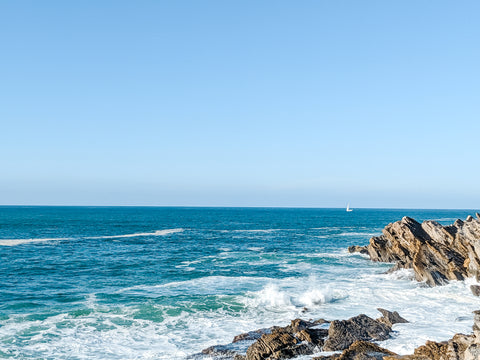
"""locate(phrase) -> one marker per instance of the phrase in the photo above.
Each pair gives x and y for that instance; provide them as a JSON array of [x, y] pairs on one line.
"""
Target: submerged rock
[[475, 290], [358, 249], [436, 253]]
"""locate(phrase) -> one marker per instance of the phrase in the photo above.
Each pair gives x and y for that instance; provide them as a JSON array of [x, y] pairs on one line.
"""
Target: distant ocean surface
[[165, 283]]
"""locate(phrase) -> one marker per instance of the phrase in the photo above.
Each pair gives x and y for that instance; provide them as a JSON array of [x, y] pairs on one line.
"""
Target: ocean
[[166, 282]]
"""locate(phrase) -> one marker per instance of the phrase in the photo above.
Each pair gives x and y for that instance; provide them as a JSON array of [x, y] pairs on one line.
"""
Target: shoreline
[[456, 258]]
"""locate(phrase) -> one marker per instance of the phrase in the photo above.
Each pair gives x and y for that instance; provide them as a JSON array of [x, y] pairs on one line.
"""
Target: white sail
[[348, 208]]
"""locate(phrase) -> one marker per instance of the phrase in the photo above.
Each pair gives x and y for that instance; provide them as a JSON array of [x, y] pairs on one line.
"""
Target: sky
[[240, 103]]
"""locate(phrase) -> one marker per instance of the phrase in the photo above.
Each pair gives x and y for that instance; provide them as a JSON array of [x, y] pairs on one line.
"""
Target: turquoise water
[[164, 283]]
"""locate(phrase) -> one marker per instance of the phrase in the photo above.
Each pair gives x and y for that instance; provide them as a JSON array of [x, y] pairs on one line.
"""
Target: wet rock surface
[[359, 350], [346, 338], [343, 333], [302, 337], [435, 252]]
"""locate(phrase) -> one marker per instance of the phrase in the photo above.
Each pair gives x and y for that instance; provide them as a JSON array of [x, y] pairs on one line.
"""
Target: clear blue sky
[[240, 103]]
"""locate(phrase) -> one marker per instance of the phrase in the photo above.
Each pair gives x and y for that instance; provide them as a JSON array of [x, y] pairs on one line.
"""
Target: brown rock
[[314, 336], [436, 253], [389, 318], [276, 345]]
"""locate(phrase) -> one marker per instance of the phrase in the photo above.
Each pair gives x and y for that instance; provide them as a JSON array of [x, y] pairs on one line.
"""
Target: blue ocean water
[[165, 283]]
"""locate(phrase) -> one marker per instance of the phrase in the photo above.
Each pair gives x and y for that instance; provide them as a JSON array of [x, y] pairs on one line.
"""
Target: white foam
[[155, 233], [13, 242], [357, 234], [255, 248]]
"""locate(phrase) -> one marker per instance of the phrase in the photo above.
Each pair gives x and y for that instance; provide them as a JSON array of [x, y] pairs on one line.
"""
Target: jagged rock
[[298, 325], [358, 249], [251, 335], [301, 337], [343, 333], [389, 318], [436, 253], [475, 290], [219, 350], [359, 350], [277, 345], [313, 336]]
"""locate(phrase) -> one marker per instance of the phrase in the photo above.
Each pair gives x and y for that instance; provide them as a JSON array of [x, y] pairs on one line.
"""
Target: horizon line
[[237, 207]]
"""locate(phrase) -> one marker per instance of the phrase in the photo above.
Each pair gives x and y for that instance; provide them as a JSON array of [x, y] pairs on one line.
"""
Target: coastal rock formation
[[389, 318], [299, 338], [460, 347], [343, 333], [303, 337], [436, 253]]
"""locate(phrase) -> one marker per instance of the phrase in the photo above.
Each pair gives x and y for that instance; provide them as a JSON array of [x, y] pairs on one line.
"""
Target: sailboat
[[348, 208]]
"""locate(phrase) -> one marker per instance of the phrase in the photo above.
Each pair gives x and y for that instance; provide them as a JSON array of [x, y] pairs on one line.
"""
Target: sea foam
[[13, 242]]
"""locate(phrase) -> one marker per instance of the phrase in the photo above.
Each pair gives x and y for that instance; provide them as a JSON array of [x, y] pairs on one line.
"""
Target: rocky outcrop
[[436, 253], [389, 318], [460, 347], [303, 337], [343, 333], [299, 338]]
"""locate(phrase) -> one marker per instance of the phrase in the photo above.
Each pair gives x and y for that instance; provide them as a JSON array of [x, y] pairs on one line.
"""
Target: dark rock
[[343, 333], [475, 290], [436, 253], [358, 249], [251, 335], [313, 336], [219, 350], [389, 318], [359, 350]]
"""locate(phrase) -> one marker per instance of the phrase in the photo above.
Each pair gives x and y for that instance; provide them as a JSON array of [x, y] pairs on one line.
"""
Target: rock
[[389, 318], [460, 347], [358, 249], [277, 345], [359, 350], [219, 350], [298, 325], [301, 337], [436, 253], [313, 336], [251, 335], [343, 333], [475, 290]]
